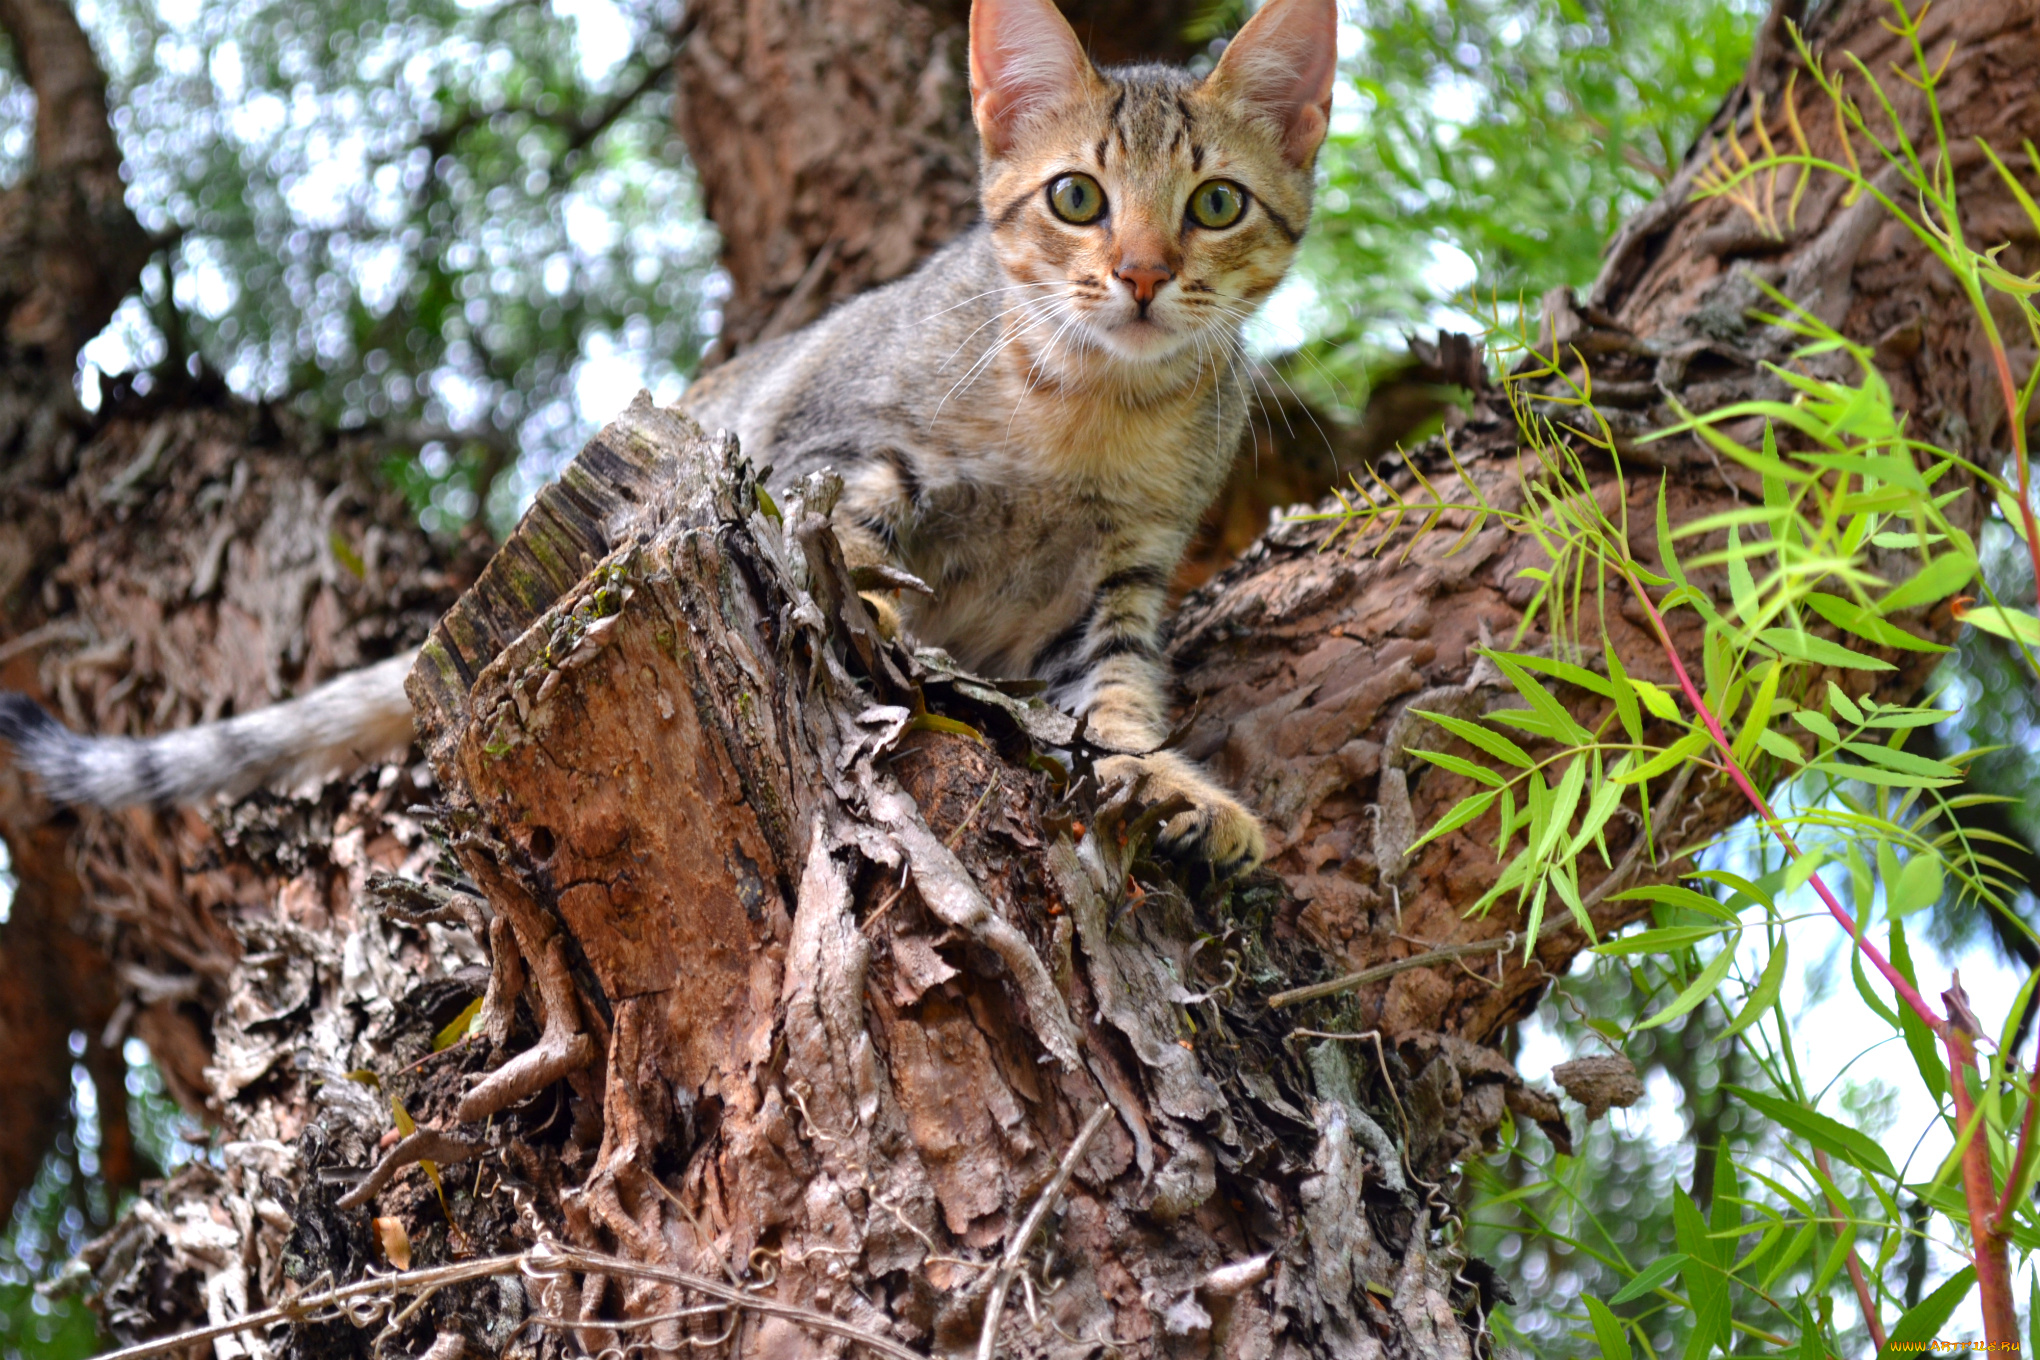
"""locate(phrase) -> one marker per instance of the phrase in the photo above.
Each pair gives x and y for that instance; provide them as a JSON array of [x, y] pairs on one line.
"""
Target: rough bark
[[788, 981]]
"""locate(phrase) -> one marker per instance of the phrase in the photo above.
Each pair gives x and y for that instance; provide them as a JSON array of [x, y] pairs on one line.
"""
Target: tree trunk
[[802, 978]]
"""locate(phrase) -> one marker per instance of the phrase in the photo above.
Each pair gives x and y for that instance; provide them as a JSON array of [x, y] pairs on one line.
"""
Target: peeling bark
[[798, 968]]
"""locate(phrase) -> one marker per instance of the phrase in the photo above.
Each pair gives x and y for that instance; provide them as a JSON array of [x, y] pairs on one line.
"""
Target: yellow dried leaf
[[394, 1242]]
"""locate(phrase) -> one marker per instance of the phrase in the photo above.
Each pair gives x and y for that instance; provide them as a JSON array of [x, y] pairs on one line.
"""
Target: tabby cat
[[1033, 422]]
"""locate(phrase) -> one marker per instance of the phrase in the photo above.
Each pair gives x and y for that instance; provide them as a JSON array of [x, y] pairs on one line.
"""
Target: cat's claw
[[1217, 829]]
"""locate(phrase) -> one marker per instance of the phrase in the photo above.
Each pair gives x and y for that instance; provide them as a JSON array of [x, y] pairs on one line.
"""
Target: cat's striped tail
[[336, 729]]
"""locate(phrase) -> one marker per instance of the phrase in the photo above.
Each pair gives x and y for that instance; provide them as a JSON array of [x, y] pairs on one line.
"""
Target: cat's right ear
[[1024, 57]]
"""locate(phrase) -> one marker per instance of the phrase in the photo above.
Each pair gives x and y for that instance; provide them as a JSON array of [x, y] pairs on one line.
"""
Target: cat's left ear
[[1282, 65], [1024, 58]]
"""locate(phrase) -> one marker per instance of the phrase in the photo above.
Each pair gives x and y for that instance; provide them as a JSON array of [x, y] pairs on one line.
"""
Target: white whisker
[[1256, 375], [984, 361], [989, 292], [992, 320]]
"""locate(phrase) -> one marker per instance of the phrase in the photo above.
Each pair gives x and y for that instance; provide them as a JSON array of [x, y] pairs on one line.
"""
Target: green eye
[[1217, 203], [1076, 199]]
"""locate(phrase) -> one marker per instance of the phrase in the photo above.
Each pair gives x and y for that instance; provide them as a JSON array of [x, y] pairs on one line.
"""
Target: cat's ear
[[1282, 65], [1023, 58]]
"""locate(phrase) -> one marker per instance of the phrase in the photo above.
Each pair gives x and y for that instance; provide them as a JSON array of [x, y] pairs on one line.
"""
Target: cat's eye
[[1076, 199], [1217, 203]]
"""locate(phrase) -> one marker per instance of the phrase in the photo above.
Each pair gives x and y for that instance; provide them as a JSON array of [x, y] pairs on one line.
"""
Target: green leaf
[[2008, 504], [1854, 618], [1819, 724], [1871, 774], [1760, 892], [2033, 1316], [1803, 646], [1607, 797], [1905, 762], [1939, 579], [1841, 703], [1837, 1257], [1650, 1277], [2015, 625], [1919, 884], [1724, 1207], [1657, 699], [1865, 990], [457, 1028], [1664, 537], [1853, 1146], [1777, 744], [1625, 695], [1664, 941], [1700, 988], [1479, 774], [1673, 756], [1906, 718], [1742, 586], [1531, 720], [1609, 1334], [1569, 673], [1481, 738], [344, 554], [1797, 1248], [1763, 995], [1759, 716], [1924, 1321], [1677, 895], [1919, 1040], [1706, 1284], [1564, 800], [1464, 811], [1539, 700], [1810, 1345]]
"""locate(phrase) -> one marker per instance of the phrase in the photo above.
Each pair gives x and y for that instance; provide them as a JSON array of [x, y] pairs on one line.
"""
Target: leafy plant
[[1842, 474]]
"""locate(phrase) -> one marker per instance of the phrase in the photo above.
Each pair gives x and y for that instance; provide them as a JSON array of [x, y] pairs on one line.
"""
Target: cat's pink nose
[[1143, 279]]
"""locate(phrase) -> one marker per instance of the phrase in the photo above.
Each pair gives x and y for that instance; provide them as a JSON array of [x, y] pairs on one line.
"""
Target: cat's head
[[1140, 209]]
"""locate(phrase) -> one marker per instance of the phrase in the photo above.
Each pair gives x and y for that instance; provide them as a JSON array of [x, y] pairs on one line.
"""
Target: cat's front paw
[[1217, 828]]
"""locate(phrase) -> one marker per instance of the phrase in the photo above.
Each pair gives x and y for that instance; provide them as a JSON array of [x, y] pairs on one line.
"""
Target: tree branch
[[70, 249]]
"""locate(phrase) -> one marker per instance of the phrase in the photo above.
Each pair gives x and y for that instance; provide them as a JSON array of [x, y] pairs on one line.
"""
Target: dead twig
[[548, 1258], [425, 1145], [1297, 995], [1016, 1247]]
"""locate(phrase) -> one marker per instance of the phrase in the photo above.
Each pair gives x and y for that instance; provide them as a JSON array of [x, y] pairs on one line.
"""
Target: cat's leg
[[868, 542], [1109, 668]]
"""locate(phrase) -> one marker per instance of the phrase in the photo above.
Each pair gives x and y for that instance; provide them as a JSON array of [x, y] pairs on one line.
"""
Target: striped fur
[[1033, 422], [360, 717]]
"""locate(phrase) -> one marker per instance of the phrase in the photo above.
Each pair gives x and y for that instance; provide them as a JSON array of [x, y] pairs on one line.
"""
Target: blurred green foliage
[[1485, 150], [1506, 140], [435, 218], [70, 1203]]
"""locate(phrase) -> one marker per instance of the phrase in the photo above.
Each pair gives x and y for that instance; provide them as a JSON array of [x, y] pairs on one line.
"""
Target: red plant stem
[[1993, 1266], [2019, 1158], [1863, 1299], [1992, 1261], [1906, 991]]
